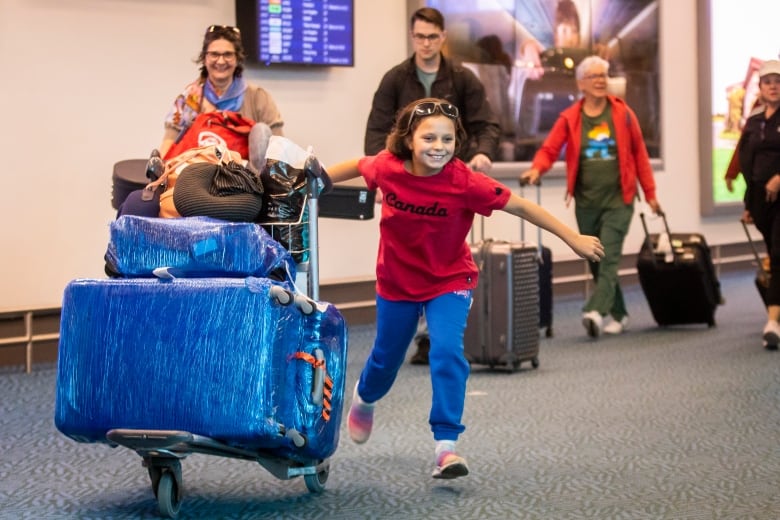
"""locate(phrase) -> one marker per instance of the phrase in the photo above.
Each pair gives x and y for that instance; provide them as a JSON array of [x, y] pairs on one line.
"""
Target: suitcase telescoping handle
[[648, 241], [751, 242], [644, 223], [523, 183]]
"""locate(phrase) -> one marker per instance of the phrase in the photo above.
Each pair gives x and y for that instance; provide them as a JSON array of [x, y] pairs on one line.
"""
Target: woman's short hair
[[222, 32], [591, 61], [406, 122]]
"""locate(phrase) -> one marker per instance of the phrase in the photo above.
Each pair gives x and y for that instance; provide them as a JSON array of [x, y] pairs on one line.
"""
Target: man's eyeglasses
[[420, 38], [223, 28], [215, 56], [428, 108], [601, 75]]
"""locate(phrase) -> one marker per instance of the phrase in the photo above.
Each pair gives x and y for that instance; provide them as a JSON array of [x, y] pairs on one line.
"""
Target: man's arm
[[382, 115]]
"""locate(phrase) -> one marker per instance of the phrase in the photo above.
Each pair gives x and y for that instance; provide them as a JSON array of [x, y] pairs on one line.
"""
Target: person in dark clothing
[[759, 162], [427, 73]]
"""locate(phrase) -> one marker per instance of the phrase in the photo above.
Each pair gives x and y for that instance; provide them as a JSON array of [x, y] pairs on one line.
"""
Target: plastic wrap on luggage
[[195, 247], [215, 357], [284, 212]]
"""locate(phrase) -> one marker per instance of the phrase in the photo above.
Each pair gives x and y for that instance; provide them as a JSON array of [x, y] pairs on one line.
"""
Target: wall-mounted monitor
[[297, 32]]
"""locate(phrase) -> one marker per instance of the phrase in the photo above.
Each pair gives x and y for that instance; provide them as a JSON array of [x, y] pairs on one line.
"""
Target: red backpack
[[229, 129]]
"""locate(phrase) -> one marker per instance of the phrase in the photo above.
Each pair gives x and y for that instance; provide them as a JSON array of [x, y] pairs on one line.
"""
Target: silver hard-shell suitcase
[[503, 325]]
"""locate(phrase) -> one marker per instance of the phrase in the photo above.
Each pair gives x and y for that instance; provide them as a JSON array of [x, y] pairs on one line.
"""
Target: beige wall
[[87, 82]]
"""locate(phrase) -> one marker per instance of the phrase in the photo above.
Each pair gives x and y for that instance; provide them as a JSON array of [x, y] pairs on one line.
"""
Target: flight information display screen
[[298, 32]]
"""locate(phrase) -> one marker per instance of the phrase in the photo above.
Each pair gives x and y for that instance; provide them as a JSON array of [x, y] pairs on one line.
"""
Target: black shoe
[[421, 356]]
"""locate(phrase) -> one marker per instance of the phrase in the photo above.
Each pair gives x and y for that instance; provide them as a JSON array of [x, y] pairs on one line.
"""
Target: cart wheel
[[306, 306], [549, 332], [281, 295], [514, 366], [535, 362], [316, 483], [168, 495]]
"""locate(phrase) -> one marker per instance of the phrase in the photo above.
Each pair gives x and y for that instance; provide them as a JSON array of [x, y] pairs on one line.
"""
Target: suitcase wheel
[[315, 483], [515, 365]]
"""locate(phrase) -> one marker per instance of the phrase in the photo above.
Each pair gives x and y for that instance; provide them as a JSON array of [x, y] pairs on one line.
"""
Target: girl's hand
[[588, 247]]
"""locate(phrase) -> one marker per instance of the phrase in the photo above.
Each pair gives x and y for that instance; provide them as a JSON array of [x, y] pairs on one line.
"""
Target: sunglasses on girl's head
[[223, 28], [428, 108]]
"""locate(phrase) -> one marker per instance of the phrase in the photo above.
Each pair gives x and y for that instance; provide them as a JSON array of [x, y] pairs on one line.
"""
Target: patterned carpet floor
[[659, 423]]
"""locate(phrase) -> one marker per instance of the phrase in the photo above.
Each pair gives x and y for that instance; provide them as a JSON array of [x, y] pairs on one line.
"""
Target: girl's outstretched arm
[[584, 245], [343, 171]]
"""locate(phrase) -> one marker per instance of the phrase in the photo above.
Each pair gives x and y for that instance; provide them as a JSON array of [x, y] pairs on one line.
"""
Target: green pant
[[611, 226]]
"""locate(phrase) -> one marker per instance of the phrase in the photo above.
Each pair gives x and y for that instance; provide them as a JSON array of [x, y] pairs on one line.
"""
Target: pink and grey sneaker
[[360, 419], [450, 465]]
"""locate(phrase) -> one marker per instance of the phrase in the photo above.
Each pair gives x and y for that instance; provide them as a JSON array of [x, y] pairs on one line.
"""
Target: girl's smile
[[432, 145]]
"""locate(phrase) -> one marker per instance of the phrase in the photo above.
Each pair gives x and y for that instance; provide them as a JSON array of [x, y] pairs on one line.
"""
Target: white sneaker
[[771, 335], [592, 321], [616, 326]]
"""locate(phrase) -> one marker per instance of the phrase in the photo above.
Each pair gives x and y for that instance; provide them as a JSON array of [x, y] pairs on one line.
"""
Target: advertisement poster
[[525, 52], [742, 35]]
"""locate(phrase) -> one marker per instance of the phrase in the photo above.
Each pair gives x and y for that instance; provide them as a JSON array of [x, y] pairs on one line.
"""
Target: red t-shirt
[[425, 220]]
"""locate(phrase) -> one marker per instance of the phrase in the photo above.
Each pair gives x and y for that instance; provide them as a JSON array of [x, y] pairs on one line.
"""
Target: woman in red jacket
[[605, 157]]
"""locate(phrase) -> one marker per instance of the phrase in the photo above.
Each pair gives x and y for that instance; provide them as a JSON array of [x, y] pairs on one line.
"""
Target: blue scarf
[[231, 100]]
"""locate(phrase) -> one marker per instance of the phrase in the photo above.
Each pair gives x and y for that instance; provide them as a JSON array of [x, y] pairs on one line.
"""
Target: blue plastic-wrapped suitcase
[[215, 357], [194, 247], [239, 367]]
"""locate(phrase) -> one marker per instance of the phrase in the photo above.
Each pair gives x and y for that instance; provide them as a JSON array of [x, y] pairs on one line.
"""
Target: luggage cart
[[163, 450]]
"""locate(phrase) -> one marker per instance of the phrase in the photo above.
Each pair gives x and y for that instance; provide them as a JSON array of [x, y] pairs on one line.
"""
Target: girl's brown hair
[[407, 121]]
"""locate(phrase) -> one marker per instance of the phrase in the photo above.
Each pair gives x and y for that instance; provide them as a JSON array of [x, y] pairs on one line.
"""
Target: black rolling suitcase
[[545, 290], [680, 284], [545, 273], [502, 327], [762, 270]]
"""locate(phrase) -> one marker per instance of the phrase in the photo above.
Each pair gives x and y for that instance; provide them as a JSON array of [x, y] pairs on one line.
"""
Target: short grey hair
[[587, 63]]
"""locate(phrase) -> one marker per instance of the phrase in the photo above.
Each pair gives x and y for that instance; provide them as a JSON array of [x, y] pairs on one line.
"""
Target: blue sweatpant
[[396, 326]]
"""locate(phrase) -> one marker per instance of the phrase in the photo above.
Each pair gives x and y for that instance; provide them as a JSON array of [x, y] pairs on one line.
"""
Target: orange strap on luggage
[[327, 389]]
